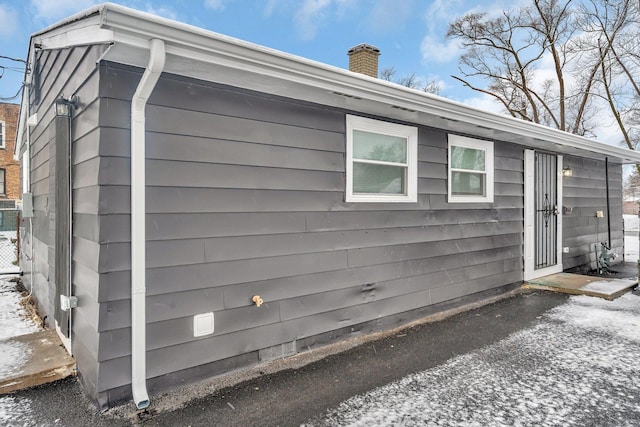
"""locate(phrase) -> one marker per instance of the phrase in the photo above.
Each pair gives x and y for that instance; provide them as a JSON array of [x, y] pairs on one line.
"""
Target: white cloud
[[9, 19], [485, 103], [389, 15], [343, 7], [438, 16], [310, 17], [434, 50], [438, 80], [53, 10], [605, 128], [270, 6], [217, 5], [545, 70], [442, 12], [435, 47], [609, 133], [493, 10], [160, 10]]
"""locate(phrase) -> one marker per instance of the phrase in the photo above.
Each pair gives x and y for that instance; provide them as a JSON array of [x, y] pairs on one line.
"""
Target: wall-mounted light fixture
[[567, 171], [64, 107]]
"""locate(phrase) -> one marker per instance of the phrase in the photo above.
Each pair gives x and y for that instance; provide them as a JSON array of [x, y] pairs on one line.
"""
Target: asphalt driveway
[[577, 366], [534, 358]]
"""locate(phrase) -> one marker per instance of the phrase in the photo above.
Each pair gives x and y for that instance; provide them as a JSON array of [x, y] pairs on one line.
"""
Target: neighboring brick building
[[630, 207], [9, 168]]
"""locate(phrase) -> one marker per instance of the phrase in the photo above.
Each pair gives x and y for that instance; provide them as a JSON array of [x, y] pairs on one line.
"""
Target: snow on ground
[[578, 366], [607, 286], [630, 222], [15, 412], [13, 318], [631, 250], [14, 321]]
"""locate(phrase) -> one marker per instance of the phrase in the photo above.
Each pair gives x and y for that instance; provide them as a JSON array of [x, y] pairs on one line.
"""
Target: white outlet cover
[[203, 324]]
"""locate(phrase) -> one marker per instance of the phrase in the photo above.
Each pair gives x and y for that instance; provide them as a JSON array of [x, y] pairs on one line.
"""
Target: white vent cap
[[202, 324]]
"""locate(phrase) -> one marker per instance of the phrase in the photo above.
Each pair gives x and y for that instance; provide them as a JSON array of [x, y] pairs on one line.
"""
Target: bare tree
[[411, 81], [507, 51], [388, 73], [593, 49], [611, 31], [631, 187]]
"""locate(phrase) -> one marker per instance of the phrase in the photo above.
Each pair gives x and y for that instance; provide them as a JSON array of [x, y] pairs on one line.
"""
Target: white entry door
[[542, 214]]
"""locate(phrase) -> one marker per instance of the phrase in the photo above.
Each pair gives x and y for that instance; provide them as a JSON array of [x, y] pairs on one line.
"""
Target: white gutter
[[247, 65], [199, 53], [138, 215]]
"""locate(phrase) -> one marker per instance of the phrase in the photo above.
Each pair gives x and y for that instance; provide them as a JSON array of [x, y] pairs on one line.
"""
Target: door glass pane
[[467, 158], [467, 183], [368, 178], [374, 146]]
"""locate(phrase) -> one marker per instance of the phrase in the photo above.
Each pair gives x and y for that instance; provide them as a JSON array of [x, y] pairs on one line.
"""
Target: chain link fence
[[9, 237]]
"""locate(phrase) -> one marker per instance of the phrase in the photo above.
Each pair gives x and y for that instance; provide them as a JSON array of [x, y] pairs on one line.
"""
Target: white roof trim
[[203, 54]]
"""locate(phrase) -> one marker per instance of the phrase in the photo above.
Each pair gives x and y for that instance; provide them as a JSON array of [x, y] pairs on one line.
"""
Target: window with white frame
[[2, 134], [470, 170], [382, 161]]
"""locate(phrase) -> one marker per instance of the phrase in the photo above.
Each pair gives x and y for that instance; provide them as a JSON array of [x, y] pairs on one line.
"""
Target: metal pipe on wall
[[606, 172]]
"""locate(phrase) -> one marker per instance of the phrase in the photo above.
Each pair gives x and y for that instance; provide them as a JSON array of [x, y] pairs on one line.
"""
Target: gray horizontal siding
[[211, 175], [444, 267], [118, 82], [193, 353], [160, 330], [167, 253], [246, 196], [585, 193], [72, 72], [115, 228]]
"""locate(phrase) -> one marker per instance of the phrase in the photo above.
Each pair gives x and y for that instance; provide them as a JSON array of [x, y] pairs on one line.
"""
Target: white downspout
[[138, 214]]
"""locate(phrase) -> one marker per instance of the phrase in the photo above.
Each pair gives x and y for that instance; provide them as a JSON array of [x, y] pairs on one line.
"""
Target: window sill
[[469, 199], [374, 198]]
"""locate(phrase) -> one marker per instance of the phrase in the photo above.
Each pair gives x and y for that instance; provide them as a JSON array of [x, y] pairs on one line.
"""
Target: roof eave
[[247, 65], [203, 45]]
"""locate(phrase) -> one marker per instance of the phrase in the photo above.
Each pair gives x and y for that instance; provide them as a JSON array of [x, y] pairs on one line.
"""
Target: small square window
[[470, 170], [382, 161]]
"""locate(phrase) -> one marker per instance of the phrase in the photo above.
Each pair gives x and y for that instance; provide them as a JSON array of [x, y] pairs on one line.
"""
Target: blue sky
[[409, 33]]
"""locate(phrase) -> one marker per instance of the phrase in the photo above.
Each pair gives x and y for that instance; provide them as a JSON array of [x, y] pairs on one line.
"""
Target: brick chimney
[[363, 59]]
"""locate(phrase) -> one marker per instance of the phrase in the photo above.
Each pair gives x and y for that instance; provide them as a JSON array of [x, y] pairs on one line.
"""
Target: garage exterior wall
[[585, 192], [69, 72], [245, 196]]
